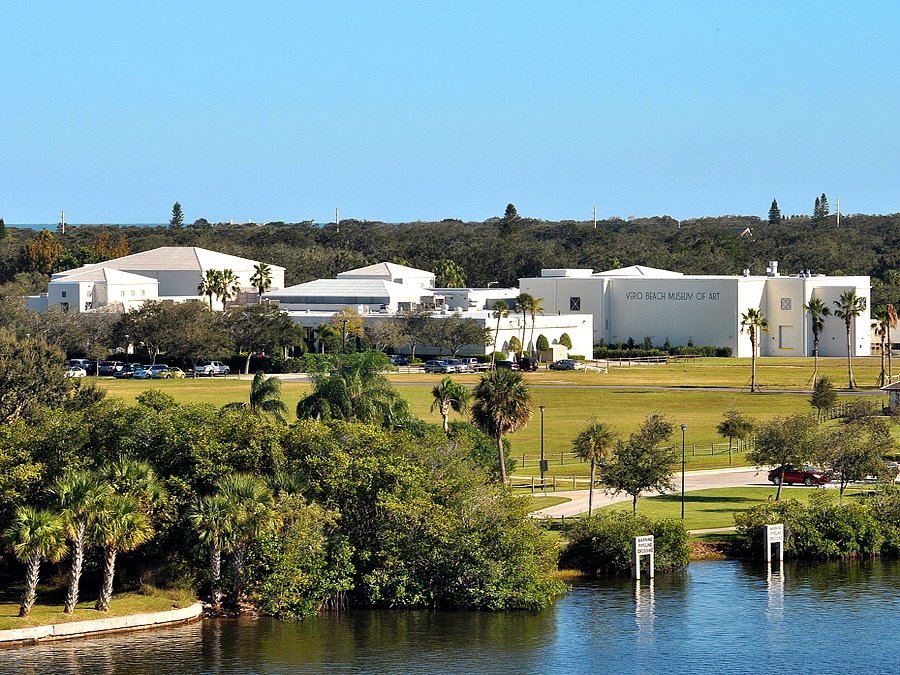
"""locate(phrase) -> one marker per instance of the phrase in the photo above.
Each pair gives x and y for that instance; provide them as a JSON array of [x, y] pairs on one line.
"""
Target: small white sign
[[776, 533], [643, 545]]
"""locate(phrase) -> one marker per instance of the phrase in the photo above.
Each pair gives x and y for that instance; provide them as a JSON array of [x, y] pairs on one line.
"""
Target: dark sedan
[[806, 475]]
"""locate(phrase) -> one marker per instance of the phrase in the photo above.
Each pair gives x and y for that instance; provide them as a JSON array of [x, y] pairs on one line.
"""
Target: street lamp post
[[683, 429], [543, 464]]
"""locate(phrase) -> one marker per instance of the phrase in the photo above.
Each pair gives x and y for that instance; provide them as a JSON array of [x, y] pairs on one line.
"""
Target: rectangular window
[[132, 294], [143, 293], [64, 294], [574, 304], [786, 304], [122, 293], [785, 337]]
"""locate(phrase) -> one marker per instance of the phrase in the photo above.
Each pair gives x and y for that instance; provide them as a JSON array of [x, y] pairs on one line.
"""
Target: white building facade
[[638, 302]]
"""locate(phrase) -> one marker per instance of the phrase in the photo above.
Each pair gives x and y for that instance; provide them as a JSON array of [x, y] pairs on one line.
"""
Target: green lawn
[[538, 503], [49, 606]]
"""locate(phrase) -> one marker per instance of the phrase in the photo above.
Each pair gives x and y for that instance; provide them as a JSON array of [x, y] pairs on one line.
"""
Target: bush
[[576, 357], [821, 528], [601, 544]]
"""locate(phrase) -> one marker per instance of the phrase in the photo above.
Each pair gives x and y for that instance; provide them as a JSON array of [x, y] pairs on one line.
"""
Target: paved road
[[693, 480]]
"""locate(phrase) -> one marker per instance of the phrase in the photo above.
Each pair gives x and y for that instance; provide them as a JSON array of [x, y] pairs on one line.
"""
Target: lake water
[[717, 617]]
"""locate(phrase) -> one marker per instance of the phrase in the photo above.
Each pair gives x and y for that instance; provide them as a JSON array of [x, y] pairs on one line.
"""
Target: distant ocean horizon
[[53, 226]]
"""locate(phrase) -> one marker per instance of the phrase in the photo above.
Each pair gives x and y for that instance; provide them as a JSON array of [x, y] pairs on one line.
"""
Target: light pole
[[543, 463], [683, 429]]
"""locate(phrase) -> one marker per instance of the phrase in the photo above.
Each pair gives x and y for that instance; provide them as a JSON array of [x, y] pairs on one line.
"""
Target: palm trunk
[[881, 382], [890, 364], [75, 569], [524, 328], [591, 488], [752, 363], [237, 569], [109, 567], [851, 384], [445, 413], [634, 505], [502, 459], [815, 358], [496, 337], [215, 573], [247, 363], [32, 573], [730, 443]]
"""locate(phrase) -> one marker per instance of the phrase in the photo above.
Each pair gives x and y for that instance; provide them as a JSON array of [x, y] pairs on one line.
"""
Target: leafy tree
[[190, 331], [31, 377], [565, 341], [449, 274], [450, 395], [754, 322], [454, 333], [417, 324], [774, 213], [259, 327], [734, 425], [501, 311], [852, 452], [382, 335], [4, 233], [642, 463], [81, 496], [594, 442], [823, 397], [348, 323], [119, 525], [42, 253], [262, 278], [848, 307], [503, 405], [356, 391], [35, 535], [177, 219], [782, 441], [817, 311], [515, 346], [107, 250], [212, 517]]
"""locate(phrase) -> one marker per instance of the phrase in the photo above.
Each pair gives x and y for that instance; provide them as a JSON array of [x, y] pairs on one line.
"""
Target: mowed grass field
[[572, 398]]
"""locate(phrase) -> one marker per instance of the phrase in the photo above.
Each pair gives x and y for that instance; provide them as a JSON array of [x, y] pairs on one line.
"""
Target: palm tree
[[209, 284], [262, 278], [35, 535], [754, 322], [534, 309], [595, 442], [503, 405], [136, 479], [121, 525], [228, 288], [252, 514], [817, 310], [80, 495], [523, 303], [848, 307], [265, 397], [892, 319], [501, 311], [449, 394], [879, 325], [212, 517]]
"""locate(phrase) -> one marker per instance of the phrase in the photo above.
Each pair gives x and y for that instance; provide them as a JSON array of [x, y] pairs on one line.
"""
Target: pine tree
[[4, 233], [511, 223], [817, 211], [774, 213], [177, 216], [824, 210]]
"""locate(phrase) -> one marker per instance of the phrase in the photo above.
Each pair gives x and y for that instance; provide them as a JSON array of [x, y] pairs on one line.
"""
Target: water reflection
[[744, 614]]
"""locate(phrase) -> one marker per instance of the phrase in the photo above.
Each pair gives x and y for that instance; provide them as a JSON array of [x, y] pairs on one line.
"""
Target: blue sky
[[402, 111]]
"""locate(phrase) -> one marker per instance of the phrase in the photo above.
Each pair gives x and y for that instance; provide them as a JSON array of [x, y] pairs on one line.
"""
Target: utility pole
[[595, 217], [838, 207]]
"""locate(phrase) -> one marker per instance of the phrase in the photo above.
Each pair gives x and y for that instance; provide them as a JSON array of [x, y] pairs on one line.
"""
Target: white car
[[75, 371], [211, 368]]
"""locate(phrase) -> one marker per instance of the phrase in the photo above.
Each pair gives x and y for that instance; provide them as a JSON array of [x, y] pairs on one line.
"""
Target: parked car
[[76, 371], [400, 360], [211, 368], [511, 365], [805, 474], [170, 373], [566, 364], [439, 366], [127, 371], [110, 367], [529, 363], [460, 365], [89, 367], [149, 372]]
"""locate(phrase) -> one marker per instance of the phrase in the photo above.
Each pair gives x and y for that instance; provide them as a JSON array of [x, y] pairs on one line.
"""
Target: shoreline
[[93, 627]]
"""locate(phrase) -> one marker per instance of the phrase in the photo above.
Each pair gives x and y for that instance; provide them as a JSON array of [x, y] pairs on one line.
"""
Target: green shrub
[[576, 357], [601, 544]]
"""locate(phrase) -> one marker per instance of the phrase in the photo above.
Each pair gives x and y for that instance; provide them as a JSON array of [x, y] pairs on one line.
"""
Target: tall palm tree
[[209, 284], [534, 309], [523, 304], [253, 514], [35, 535], [121, 525], [265, 397], [228, 288], [892, 320], [848, 307], [879, 326], [754, 322], [136, 479], [501, 311], [594, 442], [212, 517], [80, 495], [503, 405], [449, 394], [817, 310], [262, 278]]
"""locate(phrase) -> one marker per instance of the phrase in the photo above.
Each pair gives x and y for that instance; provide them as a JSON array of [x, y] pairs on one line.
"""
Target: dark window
[[574, 304]]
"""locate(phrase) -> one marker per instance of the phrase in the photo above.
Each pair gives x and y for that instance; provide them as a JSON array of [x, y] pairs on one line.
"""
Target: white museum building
[[635, 302]]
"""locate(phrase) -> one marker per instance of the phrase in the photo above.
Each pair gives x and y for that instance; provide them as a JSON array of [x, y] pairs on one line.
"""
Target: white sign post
[[774, 534], [641, 546]]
